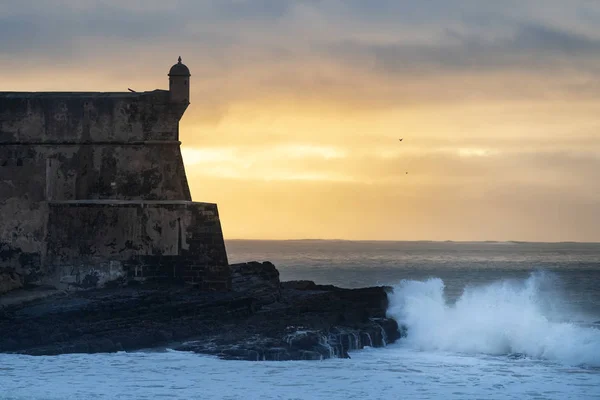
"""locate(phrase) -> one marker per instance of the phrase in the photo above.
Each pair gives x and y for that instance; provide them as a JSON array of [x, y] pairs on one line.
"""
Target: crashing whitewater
[[526, 318]]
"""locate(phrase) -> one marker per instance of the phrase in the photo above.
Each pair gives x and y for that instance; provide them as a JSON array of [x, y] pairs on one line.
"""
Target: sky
[[297, 107]]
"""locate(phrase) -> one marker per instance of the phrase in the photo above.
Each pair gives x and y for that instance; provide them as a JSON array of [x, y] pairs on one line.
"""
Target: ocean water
[[485, 321]]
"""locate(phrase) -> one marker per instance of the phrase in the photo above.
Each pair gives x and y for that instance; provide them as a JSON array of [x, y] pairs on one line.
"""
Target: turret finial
[[179, 59]]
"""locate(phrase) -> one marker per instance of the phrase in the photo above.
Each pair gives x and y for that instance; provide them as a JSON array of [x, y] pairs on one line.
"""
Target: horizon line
[[414, 241]]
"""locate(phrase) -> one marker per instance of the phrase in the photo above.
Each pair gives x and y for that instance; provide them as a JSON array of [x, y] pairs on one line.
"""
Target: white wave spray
[[501, 318]]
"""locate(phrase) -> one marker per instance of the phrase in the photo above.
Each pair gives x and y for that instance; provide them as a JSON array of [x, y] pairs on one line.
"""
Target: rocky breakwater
[[261, 319]]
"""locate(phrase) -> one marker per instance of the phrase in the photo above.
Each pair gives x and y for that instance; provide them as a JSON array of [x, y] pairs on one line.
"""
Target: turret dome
[[179, 69]]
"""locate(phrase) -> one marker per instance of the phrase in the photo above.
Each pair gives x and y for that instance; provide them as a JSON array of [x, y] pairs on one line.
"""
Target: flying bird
[[401, 139]]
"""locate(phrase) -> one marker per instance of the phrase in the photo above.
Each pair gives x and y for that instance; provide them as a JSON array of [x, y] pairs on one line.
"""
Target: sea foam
[[525, 318]]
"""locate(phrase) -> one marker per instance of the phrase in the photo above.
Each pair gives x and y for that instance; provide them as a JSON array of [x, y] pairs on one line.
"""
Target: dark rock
[[10, 280], [9, 344], [258, 280], [163, 336], [299, 285], [80, 348], [102, 346], [266, 320], [306, 285], [304, 340]]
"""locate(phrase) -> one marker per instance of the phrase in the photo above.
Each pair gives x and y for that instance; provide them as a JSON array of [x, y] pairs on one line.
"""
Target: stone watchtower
[[179, 83], [93, 189]]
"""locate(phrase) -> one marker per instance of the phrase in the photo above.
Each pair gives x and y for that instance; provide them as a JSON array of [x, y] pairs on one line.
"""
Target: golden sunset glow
[[297, 108]]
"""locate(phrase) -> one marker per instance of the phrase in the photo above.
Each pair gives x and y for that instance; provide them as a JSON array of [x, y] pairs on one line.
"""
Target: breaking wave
[[516, 318]]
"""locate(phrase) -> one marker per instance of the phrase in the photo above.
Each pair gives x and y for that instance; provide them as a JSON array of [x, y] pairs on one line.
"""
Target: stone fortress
[[93, 190]]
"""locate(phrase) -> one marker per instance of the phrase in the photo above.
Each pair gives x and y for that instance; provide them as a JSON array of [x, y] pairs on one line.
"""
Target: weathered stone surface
[[322, 322], [76, 117], [258, 280], [9, 280], [143, 240], [93, 190]]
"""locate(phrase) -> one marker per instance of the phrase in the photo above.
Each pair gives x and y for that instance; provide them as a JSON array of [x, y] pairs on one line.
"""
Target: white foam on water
[[397, 371], [506, 317]]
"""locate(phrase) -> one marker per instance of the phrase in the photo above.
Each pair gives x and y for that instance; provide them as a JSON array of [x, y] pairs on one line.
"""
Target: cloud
[[395, 53], [528, 47], [33, 30], [543, 39], [466, 169], [262, 9], [388, 211], [297, 106], [296, 25]]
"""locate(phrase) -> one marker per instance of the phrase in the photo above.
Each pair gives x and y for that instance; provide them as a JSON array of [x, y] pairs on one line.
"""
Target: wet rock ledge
[[261, 319]]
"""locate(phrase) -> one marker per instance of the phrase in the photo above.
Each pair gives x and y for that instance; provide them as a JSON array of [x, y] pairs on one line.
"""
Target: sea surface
[[485, 321]]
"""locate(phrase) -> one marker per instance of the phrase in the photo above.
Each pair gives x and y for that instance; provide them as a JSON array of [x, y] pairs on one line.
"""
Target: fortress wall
[[23, 216], [88, 117], [120, 172], [90, 243], [93, 189], [22, 237], [71, 172], [32, 174]]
